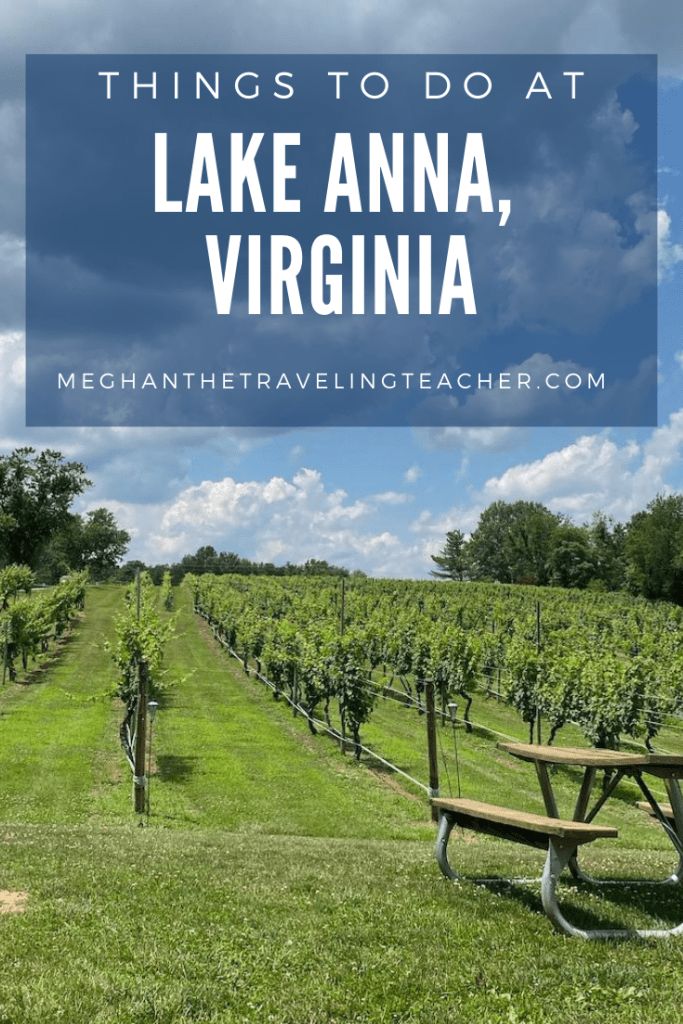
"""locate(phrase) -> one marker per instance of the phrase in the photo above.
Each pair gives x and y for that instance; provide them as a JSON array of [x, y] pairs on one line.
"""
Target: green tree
[[102, 543], [654, 550], [451, 560], [513, 542], [129, 570], [607, 541], [571, 562], [36, 493], [94, 542]]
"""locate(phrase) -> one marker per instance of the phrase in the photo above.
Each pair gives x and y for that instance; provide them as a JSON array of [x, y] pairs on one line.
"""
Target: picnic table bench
[[667, 810], [562, 837]]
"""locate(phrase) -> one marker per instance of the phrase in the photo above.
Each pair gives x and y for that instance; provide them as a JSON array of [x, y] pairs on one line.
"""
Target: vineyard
[[609, 666], [31, 622], [275, 879]]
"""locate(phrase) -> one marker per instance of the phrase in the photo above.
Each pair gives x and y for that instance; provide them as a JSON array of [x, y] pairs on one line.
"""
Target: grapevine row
[[30, 620], [611, 664]]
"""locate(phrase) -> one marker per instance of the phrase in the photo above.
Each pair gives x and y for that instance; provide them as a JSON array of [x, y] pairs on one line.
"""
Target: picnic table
[[619, 764], [562, 837]]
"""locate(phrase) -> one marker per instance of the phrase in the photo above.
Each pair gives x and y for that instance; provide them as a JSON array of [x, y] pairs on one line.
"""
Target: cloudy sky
[[376, 499]]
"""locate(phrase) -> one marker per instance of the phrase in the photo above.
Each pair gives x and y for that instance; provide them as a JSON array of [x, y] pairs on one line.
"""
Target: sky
[[377, 499]]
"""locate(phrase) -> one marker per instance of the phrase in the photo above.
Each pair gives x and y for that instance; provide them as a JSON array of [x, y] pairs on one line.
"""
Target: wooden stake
[[431, 745], [538, 651], [342, 717], [5, 652], [139, 781]]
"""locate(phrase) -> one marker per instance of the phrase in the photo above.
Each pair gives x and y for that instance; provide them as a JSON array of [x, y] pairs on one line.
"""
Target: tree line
[[206, 560], [514, 542], [523, 542], [38, 528]]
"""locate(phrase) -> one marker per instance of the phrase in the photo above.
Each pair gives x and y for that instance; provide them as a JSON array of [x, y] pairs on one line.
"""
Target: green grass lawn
[[278, 881]]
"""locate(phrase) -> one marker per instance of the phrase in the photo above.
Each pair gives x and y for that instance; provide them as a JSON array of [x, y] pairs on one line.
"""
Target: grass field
[[277, 880]]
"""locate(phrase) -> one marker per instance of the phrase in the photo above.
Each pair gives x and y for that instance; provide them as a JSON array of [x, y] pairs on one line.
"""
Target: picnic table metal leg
[[547, 789], [559, 854], [580, 810], [446, 823], [552, 811], [676, 798], [675, 832], [676, 835]]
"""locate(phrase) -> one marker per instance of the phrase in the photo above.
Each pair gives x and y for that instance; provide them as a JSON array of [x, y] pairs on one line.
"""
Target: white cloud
[[274, 519], [595, 472], [412, 474], [392, 498], [133, 463], [669, 253], [491, 26], [609, 271]]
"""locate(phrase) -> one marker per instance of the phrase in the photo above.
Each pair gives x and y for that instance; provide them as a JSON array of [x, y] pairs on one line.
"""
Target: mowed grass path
[[278, 882], [223, 755], [228, 755], [59, 755]]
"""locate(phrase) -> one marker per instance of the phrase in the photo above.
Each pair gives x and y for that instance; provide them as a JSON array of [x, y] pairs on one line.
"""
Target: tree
[[607, 541], [95, 543], [36, 493], [320, 567], [102, 543], [571, 562], [654, 550], [451, 560], [512, 543], [129, 570], [61, 552], [205, 559]]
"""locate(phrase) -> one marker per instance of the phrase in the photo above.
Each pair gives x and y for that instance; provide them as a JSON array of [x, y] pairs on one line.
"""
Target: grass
[[229, 756], [137, 926], [278, 881], [58, 750]]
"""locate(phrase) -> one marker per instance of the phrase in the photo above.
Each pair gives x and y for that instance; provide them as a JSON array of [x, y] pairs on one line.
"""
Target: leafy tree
[[320, 567], [36, 493], [129, 570], [451, 560], [571, 562], [607, 541], [102, 543], [93, 542], [654, 550], [512, 543]]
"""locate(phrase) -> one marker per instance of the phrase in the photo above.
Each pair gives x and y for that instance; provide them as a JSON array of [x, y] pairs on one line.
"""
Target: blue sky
[[379, 499]]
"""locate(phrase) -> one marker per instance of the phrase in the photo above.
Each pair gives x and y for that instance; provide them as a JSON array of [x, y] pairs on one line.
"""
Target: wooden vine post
[[139, 777], [5, 652], [538, 651], [431, 745]]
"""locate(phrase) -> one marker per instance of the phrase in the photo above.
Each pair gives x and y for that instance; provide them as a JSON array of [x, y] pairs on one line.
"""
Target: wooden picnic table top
[[663, 765], [584, 757], [672, 760]]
